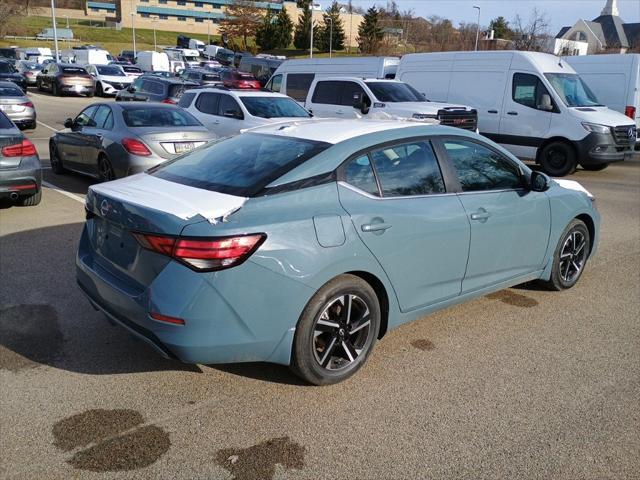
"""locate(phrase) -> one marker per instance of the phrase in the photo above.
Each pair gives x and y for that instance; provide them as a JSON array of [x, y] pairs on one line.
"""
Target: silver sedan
[[15, 104], [113, 140]]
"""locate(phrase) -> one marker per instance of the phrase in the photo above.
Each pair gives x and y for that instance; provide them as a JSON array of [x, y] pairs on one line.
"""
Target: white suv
[[110, 79], [227, 112]]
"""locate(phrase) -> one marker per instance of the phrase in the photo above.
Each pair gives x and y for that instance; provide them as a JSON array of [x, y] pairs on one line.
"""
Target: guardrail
[[47, 39]]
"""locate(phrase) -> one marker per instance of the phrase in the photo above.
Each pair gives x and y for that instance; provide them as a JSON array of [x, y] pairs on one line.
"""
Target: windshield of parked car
[[392, 92], [273, 107], [10, 92], [242, 165], [210, 77], [112, 71], [74, 70], [158, 117], [572, 90], [6, 68]]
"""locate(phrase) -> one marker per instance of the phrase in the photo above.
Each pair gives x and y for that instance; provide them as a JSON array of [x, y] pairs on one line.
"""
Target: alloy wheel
[[572, 256], [341, 332], [105, 170]]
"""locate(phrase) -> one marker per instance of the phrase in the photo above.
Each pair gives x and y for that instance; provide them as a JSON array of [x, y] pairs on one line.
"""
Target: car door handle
[[375, 227], [481, 215], [512, 113], [339, 112], [492, 111]]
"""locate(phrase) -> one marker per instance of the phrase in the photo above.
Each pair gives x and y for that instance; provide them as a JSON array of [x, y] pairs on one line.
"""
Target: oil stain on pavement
[[423, 344], [29, 336], [259, 461], [116, 443], [512, 298]]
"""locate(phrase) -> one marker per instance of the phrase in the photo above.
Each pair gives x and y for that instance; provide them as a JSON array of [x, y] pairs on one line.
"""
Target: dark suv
[[148, 88], [8, 73]]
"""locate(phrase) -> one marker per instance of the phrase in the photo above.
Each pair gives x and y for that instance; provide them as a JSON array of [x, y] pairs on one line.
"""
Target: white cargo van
[[34, 54], [196, 45], [615, 80], [294, 77], [189, 57], [210, 51], [353, 97], [151, 61], [534, 104], [92, 56]]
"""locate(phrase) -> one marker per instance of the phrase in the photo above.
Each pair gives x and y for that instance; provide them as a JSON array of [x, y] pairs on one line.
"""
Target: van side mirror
[[545, 103], [539, 182], [68, 123]]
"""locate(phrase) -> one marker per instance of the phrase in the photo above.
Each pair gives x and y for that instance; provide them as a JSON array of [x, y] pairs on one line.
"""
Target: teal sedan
[[303, 243]]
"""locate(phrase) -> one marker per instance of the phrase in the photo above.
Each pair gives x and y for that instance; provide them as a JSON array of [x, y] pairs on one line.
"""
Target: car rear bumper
[[24, 180], [77, 89], [25, 118], [237, 315]]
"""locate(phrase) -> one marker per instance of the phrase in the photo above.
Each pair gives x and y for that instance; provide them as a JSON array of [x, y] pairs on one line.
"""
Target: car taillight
[[204, 254], [630, 111], [27, 104], [168, 100], [29, 74], [135, 147], [23, 149]]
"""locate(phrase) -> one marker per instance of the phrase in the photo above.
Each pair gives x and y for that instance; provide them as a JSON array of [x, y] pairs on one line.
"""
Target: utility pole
[[331, 38], [55, 30], [478, 29], [311, 43], [208, 33]]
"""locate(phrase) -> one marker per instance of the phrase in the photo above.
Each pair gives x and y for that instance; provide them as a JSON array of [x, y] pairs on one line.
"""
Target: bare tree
[[9, 11], [532, 35]]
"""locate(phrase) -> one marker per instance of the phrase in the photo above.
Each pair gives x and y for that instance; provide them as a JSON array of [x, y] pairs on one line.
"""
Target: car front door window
[[84, 118]]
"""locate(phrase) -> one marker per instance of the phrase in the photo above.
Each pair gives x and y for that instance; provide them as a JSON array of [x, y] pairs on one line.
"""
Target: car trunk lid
[[167, 142], [142, 203]]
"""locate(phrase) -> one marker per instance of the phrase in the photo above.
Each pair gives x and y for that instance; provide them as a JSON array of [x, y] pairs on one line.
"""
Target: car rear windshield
[[395, 92], [32, 66], [242, 165], [270, 107], [210, 77], [74, 70], [10, 92], [132, 69], [110, 70], [6, 67], [159, 117], [5, 122]]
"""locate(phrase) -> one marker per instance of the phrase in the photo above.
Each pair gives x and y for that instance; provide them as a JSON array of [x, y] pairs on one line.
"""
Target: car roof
[[240, 92], [5, 83], [332, 130]]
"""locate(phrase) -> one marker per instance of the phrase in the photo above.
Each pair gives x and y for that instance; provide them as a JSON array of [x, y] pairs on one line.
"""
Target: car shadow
[[46, 320], [267, 372], [69, 181]]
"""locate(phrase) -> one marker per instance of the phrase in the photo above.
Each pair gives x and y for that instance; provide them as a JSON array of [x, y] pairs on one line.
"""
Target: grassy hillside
[[95, 33]]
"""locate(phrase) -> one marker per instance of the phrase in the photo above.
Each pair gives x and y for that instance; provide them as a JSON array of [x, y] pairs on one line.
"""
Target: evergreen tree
[[370, 32], [501, 28], [302, 35], [267, 32], [284, 29], [325, 34]]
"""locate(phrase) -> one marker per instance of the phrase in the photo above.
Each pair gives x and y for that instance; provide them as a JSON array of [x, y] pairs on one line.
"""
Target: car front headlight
[[596, 128]]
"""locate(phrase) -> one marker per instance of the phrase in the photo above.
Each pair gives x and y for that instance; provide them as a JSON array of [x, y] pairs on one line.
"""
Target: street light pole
[[331, 37], [55, 31], [311, 43], [478, 29], [133, 29], [155, 44], [208, 34]]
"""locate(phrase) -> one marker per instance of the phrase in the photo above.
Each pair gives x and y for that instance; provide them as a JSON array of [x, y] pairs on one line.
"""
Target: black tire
[[595, 168], [346, 338], [39, 85], [56, 162], [105, 169], [32, 200], [558, 159], [54, 89], [567, 246], [99, 92], [90, 94]]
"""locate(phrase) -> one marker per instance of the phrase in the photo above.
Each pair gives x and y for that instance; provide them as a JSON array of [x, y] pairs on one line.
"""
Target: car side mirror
[[360, 103], [131, 89], [538, 182], [545, 103], [68, 123]]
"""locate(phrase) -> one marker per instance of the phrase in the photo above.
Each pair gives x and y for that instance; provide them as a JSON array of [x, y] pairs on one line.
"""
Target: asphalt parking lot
[[523, 383]]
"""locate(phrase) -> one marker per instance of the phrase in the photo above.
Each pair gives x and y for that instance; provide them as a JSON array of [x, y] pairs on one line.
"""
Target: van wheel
[[595, 168], [558, 159], [336, 332]]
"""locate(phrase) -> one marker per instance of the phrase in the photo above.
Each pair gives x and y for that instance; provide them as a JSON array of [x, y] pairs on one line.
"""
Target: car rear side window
[[186, 100], [359, 173], [408, 169], [480, 168], [242, 165], [327, 93], [101, 116], [208, 103], [298, 85]]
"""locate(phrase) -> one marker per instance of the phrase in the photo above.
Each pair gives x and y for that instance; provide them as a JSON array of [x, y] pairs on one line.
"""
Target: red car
[[235, 79]]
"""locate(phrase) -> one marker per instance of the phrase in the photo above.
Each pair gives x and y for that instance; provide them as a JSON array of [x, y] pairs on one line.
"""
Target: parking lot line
[[75, 197], [47, 126]]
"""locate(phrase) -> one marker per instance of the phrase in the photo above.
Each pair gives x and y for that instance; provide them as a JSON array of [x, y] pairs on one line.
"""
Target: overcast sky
[[560, 12]]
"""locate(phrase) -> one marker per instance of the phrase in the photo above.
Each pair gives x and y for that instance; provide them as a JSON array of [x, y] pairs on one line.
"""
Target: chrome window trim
[[429, 195]]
